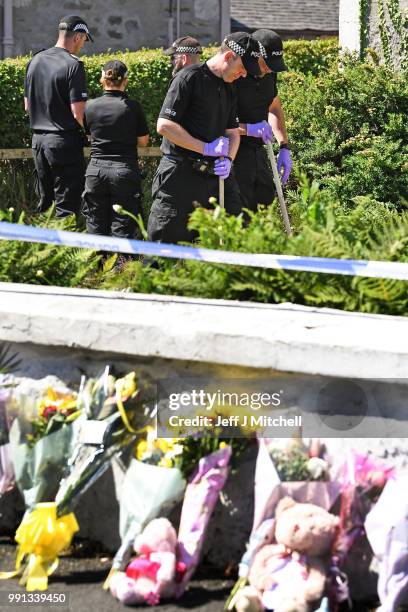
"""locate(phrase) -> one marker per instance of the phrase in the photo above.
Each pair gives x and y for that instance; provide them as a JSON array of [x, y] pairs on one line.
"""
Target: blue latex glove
[[222, 167], [284, 161], [217, 148], [260, 130]]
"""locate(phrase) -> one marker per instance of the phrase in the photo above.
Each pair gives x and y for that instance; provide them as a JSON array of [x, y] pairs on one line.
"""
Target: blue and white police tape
[[351, 267]]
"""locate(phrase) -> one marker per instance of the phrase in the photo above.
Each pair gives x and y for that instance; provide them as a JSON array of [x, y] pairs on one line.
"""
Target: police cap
[[247, 48], [74, 23], [271, 48], [185, 44]]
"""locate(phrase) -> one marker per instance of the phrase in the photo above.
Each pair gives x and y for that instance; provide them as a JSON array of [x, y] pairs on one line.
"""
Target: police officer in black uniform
[[184, 52], [55, 95], [117, 126], [200, 132], [260, 116]]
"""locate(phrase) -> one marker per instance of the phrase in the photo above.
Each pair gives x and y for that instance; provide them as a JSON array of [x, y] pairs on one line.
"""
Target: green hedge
[[149, 76]]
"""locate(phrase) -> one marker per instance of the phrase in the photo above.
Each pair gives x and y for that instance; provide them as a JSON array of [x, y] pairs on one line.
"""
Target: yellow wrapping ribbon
[[126, 387], [41, 538]]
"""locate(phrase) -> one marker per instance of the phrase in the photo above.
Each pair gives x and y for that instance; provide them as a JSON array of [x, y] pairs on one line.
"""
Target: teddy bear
[[290, 575], [152, 573]]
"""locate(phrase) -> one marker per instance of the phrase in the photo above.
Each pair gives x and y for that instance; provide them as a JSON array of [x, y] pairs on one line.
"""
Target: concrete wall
[[116, 24], [349, 25]]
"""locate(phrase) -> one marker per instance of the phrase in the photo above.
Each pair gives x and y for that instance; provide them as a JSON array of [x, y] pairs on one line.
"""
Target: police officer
[[184, 52], [200, 132], [117, 126], [55, 95], [257, 99]]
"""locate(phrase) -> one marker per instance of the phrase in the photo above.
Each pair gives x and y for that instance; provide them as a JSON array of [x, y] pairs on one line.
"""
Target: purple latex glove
[[222, 167], [260, 130], [217, 148], [284, 161]]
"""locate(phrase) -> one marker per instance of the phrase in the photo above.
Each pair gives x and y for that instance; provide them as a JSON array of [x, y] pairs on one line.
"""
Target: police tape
[[351, 267]]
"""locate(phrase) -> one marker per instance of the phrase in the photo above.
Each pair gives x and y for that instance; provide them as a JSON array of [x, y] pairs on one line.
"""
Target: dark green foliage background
[[149, 74]]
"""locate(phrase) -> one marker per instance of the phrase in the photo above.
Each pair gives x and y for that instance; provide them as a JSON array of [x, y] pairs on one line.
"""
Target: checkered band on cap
[[81, 26], [195, 50], [262, 50], [235, 47]]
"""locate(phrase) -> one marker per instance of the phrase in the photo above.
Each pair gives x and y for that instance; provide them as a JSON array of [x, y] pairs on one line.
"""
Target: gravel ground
[[81, 578]]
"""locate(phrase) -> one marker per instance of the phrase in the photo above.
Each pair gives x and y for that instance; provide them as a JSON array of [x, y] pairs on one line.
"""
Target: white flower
[[317, 467], [118, 209]]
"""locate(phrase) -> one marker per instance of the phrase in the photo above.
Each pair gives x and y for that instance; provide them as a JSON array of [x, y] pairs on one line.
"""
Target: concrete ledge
[[285, 337]]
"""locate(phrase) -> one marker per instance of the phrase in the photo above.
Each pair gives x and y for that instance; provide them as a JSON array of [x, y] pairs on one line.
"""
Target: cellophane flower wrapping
[[153, 484], [201, 496], [386, 526], [361, 478], [146, 502], [7, 478], [41, 438], [269, 489], [99, 400]]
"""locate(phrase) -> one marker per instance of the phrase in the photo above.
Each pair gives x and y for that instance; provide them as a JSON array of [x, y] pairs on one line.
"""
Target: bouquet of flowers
[[361, 478], [7, 479], [41, 437], [108, 413], [152, 485], [143, 580], [113, 415], [289, 471]]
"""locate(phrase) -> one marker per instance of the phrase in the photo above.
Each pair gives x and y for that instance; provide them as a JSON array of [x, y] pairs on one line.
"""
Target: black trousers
[[60, 166], [176, 188], [254, 176], [108, 183]]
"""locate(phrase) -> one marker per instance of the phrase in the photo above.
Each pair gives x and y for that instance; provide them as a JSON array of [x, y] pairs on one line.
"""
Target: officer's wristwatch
[[284, 145]]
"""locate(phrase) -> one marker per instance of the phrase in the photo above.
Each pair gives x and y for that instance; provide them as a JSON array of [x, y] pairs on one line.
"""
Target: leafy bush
[[349, 130], [149, 75], [372, 230], [45, 264]]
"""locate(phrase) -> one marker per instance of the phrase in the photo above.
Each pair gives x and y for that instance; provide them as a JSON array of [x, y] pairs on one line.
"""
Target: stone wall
[[349, 29], [117, 25], [374, 36]]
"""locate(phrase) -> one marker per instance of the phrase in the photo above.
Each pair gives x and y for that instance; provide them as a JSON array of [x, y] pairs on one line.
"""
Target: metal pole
[[279, 191], [178, 17], [8, 39], [221, 190]]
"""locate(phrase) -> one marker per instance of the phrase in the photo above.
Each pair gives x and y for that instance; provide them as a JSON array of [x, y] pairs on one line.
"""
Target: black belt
[[202, 165], [191, 158], [56, 132]]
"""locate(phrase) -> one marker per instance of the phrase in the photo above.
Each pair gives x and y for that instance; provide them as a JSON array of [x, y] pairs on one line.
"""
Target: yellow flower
[[165, 462], [126, 387], [141, 448], [60, 401]]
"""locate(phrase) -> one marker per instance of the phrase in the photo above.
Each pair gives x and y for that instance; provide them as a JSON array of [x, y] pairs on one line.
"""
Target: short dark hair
[[67, 34], [224, 47]]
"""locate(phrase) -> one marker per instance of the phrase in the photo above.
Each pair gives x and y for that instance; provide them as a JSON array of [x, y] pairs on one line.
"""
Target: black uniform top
[[202, 103], [54, 79], [254, 97], [114, 122]]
